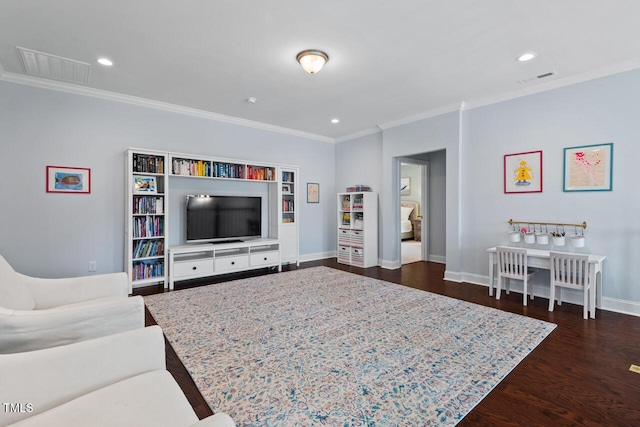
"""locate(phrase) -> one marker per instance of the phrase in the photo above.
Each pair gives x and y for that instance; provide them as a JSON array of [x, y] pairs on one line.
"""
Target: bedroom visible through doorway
[[413, 177]]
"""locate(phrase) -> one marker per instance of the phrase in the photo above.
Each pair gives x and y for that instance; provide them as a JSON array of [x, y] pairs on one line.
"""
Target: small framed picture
[[588, 168], [144, 184], [286, 189], [313, 192], [523, 172], [64, 179], [405, 186]]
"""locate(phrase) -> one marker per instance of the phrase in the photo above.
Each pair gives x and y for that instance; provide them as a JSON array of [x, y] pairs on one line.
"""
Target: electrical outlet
[[92, 266]]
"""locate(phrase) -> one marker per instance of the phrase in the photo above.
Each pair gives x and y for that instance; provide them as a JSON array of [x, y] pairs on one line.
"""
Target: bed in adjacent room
[[409, 212]]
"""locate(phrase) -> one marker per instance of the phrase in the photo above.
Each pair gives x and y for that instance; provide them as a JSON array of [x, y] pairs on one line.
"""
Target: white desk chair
[[569, 271], [512, 264]]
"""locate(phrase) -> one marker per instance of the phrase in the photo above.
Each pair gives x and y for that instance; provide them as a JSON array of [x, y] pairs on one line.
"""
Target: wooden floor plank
[[578, 376]]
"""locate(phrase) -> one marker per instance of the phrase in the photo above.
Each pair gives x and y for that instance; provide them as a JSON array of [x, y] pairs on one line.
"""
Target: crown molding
[[360, 134], [420, 116], [525, 91], [556, 83], [148, 103]]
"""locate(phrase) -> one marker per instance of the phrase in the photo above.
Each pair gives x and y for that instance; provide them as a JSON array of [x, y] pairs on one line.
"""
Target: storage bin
[[542, 238], [577, 241]]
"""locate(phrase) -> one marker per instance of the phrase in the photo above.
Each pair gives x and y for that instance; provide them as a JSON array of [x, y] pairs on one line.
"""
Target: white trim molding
[[148, 103], [318, 256], [568, 295]]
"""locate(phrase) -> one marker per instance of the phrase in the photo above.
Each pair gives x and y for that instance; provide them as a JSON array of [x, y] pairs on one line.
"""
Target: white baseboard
[[440, 259], [568, 295], [318, 256], [390, 265], [453, 276], [620, 306]]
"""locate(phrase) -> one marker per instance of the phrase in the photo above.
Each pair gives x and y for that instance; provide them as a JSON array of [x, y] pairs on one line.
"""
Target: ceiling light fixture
[[312, 60], [528, 56], [105, 61], [335, 121]]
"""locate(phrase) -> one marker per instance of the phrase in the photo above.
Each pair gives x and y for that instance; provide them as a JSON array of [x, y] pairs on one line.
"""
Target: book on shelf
[[148, 205], [287, 206], [148, 248], [148, 163], [191, 167], [260, 173], [146, 270], [287, 176], [148, 226]]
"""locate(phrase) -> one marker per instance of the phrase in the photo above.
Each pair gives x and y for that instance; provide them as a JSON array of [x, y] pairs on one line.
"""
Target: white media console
[[211, 259]]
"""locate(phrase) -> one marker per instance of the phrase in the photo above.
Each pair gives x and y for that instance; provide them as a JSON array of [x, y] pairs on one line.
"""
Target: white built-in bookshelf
[[146, 221], [289, 213], [149, 175]]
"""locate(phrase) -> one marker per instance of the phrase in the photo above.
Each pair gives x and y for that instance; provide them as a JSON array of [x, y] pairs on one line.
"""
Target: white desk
[[540, 259]]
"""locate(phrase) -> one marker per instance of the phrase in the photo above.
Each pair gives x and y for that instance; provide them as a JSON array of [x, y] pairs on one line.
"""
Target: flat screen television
[[223, 218]]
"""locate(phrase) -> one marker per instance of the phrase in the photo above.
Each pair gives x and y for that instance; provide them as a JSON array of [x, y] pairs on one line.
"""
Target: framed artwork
[[64, 179], [588, 168], [313, 192], [523, 172], [286, 189], [144, 184], [405, 186]]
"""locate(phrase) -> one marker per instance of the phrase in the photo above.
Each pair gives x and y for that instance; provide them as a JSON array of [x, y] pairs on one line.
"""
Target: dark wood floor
[[579, 375]]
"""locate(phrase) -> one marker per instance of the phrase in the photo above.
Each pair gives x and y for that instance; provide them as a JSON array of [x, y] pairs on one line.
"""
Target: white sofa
[[119, 380], [41, 313]]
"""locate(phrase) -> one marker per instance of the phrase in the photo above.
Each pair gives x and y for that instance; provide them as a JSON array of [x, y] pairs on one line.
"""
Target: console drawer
[[232, 263], [264, 258], [190, 268]]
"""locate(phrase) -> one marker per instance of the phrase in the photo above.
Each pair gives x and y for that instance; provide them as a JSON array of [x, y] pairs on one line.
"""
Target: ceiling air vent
[[41, 64], [538, 77]]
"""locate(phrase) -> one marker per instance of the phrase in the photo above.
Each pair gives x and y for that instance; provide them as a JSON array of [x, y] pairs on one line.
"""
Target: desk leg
[[593, 277], [596, 289], [491, 255]]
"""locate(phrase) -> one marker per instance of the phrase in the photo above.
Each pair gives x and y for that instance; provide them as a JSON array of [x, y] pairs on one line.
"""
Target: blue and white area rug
[[321, 346]]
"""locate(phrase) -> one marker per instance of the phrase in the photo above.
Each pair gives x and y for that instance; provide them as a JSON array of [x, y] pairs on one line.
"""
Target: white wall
[[359, 162], [54, 235], [594, 112], [428, 135]]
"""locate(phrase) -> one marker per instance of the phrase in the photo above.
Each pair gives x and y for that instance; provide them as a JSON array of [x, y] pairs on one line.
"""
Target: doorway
[[414, 175]]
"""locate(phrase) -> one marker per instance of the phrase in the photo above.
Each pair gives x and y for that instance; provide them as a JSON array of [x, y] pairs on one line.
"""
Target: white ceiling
[[390, 62]]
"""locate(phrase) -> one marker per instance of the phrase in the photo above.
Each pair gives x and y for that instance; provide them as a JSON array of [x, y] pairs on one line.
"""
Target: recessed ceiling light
[[528, 56], [335, 121], [251, 100], [105, 61]]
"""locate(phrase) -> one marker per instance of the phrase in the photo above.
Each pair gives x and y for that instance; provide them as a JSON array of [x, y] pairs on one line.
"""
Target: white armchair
[[119, 380], [40, 313]]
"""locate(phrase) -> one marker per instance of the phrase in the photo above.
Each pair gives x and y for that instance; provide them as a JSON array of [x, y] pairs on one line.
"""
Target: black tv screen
[[223, 218]]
